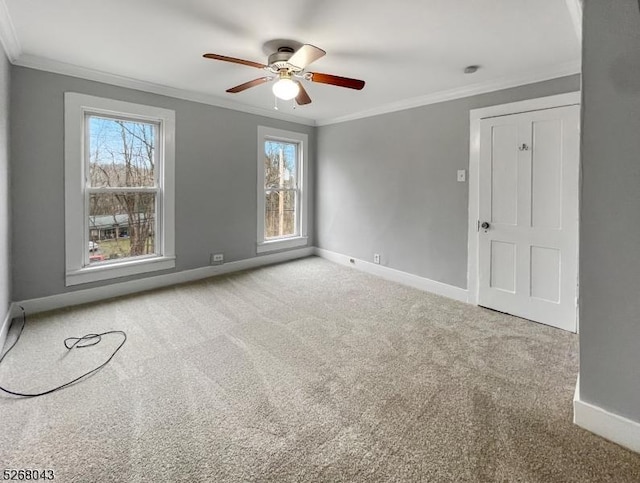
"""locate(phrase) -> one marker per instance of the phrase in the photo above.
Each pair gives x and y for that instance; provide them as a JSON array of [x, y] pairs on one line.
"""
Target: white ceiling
[[408, 51]]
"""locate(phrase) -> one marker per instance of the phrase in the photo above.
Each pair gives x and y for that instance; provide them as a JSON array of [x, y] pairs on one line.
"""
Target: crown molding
[[560, 70], [56, 67], [13, 50], [8, 36], [49, 65]]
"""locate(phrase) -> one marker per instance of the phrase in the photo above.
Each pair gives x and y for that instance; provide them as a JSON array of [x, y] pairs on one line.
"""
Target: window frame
[[78, 109], [301, 140]]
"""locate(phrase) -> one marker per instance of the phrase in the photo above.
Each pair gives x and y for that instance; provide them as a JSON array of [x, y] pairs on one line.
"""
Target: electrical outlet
[[376, 258], [216, 259], [462, 175]]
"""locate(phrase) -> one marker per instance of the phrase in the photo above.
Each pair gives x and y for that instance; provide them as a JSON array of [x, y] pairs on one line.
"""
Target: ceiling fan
[[289, 65]]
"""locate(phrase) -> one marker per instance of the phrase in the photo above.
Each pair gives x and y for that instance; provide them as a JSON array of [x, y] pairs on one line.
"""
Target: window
[[282, 200], [119, 206]]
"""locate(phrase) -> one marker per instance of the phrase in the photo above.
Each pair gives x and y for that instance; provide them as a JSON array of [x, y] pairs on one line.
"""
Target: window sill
[[282, 244], [123, 269]]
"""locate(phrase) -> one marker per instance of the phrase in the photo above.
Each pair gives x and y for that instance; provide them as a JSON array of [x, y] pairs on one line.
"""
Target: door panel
[[546, 174], [504, 175], [503, 258], [545, 273], [529, 194]]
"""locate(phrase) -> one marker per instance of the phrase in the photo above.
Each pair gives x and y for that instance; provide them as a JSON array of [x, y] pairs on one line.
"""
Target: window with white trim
[[119, 188], [282, 189]]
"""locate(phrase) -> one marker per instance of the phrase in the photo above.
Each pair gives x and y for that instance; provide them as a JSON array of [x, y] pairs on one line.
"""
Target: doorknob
[[485, 225]]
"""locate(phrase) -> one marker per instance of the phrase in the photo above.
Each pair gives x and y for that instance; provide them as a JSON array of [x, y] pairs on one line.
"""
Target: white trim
[[12, 312], [57, 67], [302, 140], [272, 245], [575, 11], [549, 102], [8, 37], [133, 286], [561, 70], [76, 106], [95, 273], [475, 115], [49, 65], [409, 279], [606, 424]]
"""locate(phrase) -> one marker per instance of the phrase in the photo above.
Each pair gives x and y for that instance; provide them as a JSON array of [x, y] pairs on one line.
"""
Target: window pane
[[280, 214], [121, 152], [280, 165], [121, 225]]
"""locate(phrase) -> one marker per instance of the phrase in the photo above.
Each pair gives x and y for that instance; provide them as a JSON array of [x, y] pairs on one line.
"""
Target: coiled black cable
[[78, 343]]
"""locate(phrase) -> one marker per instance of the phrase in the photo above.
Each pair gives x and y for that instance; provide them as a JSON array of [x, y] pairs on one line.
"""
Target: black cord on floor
[[78, 343]]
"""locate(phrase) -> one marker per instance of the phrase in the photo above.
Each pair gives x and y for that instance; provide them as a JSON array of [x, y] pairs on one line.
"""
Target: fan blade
[[247, 85], [337, 80], [305, 55], [302, 98], [234, 60]]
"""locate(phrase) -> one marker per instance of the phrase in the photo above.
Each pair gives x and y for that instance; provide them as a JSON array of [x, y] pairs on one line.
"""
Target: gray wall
[[387, 184], [5, 207], [610, 214], [215, 178]]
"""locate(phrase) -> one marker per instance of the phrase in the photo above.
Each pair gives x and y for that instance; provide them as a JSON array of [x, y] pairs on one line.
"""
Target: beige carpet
[[305, 371]]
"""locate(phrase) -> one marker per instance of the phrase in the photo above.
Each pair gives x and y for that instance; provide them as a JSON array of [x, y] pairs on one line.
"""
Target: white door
[[528, 206]]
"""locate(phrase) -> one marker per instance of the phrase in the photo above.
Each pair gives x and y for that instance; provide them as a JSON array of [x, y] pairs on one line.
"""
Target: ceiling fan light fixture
[[287, 63], [285, 89]]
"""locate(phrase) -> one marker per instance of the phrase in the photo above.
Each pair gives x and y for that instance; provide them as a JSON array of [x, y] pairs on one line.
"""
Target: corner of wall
[[5, 184], [12, 313], [608, 425]]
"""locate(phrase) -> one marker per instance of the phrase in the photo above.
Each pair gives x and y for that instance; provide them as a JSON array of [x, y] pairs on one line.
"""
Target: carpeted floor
[[305, 371]]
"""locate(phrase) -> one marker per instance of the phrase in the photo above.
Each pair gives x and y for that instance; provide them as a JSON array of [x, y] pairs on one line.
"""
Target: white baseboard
[[78, 297], [12, 312], [394, 275], [613, 427]]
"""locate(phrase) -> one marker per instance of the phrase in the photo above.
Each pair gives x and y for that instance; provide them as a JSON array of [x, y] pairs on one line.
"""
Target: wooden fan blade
[[305, 55], [302, 98], [247, 85], [234, 60], [337, 80]]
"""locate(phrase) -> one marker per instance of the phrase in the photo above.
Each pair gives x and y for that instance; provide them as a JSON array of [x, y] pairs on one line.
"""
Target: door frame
[[475, 116]]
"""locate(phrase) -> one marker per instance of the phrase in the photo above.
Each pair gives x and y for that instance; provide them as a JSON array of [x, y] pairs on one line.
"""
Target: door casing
[[475, 116]]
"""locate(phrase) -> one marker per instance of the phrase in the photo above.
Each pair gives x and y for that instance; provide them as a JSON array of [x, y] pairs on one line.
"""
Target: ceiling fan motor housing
[[280, 59]]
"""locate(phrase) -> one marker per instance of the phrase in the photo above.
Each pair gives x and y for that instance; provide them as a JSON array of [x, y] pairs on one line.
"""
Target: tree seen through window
[[122, 188], [281, 189]]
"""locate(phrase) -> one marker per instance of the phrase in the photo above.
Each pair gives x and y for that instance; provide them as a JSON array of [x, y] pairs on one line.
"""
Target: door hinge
[[478, 226]]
